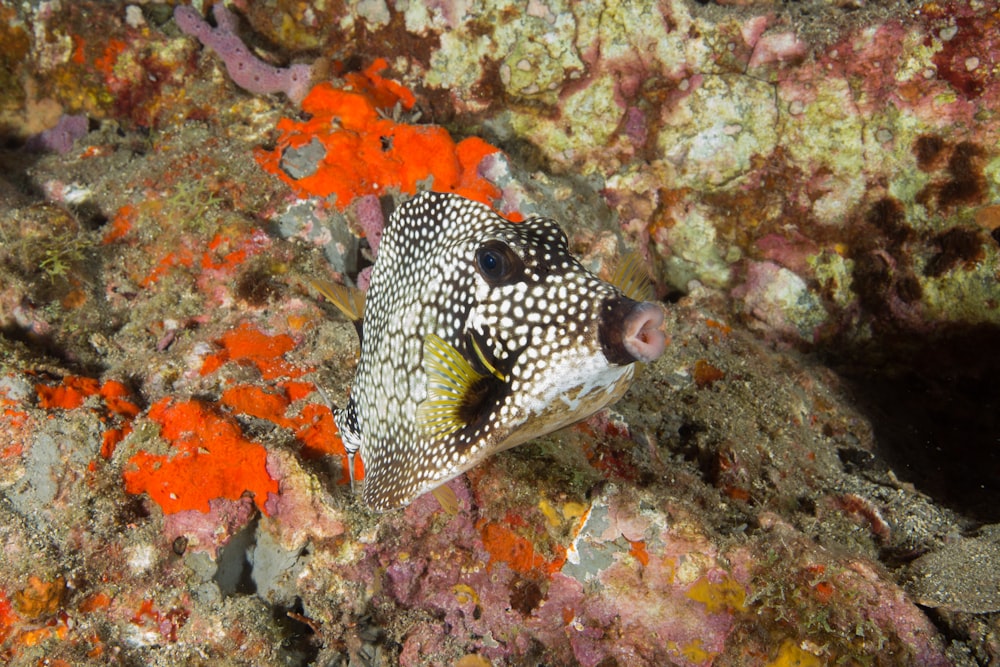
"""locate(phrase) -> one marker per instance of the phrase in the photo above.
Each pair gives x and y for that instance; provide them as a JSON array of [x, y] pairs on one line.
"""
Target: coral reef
[[808, 475]]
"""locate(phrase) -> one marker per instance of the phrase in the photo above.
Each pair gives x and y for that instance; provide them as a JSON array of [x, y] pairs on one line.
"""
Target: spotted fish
[[478, 334]]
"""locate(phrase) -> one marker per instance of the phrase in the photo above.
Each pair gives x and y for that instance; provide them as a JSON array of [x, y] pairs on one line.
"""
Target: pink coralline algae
[[660, 598], [210, 531], [246, 70], [777, 47], [371, 219]]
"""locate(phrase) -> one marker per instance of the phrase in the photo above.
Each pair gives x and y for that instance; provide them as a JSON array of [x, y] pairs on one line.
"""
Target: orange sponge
[[209, 458]]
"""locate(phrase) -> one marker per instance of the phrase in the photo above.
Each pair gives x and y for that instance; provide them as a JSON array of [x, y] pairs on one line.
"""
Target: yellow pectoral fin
[[450, 378], [348, 300]]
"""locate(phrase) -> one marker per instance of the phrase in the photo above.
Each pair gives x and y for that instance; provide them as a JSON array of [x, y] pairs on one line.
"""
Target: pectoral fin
[[458, 396]]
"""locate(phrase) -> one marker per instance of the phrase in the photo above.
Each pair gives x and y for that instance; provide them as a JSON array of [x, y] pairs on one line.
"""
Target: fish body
[[479, 334]]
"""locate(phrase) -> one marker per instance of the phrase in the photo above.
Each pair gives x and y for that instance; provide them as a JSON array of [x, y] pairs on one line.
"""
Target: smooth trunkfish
[[479, 334]]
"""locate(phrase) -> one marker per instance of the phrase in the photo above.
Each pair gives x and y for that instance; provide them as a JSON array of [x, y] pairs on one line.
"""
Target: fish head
[[556, 342]]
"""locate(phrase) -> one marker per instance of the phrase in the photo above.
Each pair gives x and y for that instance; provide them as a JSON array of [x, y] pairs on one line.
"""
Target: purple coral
[[59, 139], [246, 70]]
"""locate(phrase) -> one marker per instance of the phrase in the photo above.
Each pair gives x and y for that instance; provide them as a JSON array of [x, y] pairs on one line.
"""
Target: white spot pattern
[[542, 328]]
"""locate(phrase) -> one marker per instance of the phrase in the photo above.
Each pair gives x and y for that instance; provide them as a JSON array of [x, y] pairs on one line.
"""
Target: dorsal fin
[[348, 300], [631, 278]]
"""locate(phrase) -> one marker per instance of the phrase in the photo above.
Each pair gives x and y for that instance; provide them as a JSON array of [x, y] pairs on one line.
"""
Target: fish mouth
[[631, 331]]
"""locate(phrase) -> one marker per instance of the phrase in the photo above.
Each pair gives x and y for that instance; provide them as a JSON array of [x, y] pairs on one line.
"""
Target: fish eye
[[497, 263], [490, 261]]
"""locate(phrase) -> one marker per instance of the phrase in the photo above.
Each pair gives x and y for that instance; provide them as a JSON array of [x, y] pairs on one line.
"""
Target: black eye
[[497, 263], [491, 263]]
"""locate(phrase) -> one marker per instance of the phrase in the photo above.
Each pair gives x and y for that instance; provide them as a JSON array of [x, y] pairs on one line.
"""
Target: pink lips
[[643, 332]]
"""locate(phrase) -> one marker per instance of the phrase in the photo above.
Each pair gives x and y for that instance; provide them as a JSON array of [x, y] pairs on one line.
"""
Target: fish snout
[[631, 331]]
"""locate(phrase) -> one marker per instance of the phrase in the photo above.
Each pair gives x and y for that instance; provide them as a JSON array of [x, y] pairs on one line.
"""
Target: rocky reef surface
[[808, 476]]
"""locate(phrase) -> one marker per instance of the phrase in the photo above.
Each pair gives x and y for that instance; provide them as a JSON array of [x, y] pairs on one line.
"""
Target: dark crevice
[[934, 402]]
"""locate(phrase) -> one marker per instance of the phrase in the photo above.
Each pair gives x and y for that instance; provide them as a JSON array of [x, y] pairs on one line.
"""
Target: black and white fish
[[479, 334]]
